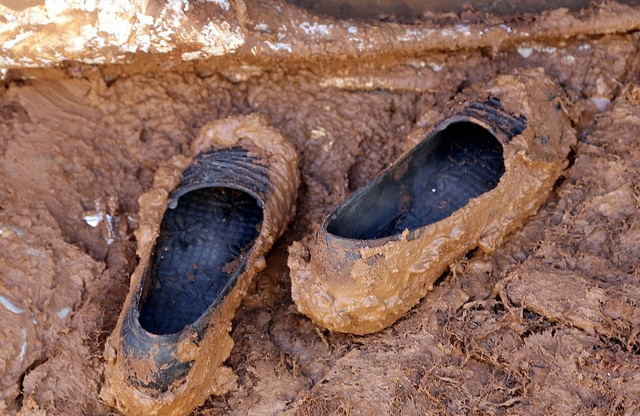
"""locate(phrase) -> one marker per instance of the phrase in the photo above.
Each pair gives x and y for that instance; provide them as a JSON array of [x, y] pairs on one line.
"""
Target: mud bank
[[139, 36], [545, 324], [412, 10]]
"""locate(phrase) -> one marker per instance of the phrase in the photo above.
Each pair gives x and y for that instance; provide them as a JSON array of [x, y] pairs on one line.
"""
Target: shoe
[[468, 183], [205, 227]]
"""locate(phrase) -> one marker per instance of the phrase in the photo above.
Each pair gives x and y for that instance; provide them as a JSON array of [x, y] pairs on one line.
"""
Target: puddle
[[408, 10]]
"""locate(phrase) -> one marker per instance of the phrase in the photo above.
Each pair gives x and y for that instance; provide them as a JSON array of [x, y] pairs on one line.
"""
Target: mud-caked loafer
[[489, 161], [205, 227]]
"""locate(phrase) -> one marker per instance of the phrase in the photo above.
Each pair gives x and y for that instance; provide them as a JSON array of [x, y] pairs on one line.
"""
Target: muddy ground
[[548, 324]]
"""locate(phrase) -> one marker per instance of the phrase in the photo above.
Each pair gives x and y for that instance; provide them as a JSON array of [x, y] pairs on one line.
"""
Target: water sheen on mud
[[408, 10]]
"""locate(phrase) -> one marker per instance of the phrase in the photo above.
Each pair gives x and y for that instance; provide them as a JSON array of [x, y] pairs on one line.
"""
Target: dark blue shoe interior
[[197, 257], [453, 165]]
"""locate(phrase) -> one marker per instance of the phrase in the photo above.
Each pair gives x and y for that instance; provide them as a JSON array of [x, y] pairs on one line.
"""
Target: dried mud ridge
[[547, 324]]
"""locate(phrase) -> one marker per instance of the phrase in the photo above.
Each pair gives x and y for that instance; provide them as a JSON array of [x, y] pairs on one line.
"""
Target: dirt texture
[[545, 324]]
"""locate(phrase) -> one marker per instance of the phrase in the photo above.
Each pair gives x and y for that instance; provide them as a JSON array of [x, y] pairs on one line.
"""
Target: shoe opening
[[451, 166], [197, 257]]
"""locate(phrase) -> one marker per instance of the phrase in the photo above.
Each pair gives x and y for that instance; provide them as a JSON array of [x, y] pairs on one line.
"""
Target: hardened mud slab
[[144, 35], [77, 151]]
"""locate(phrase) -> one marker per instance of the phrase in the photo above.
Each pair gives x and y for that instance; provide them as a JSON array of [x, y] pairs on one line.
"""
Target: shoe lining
[[460, 162], [197, 253]]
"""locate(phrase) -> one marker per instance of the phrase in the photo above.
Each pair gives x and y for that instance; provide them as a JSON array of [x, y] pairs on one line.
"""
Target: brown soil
[[547, 324]]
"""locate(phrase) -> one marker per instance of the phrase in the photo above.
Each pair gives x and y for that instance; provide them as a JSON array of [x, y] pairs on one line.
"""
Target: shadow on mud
[[408, 10]]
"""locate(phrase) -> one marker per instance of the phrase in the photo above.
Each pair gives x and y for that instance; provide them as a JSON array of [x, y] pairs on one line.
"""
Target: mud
[[492, 337]]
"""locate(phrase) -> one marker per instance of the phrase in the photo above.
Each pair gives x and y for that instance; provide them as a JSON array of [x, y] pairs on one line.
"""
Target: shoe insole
[[460, 162], [197, 255]]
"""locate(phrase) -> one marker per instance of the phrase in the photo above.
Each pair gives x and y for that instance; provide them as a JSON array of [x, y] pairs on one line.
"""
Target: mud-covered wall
[[144, 35]]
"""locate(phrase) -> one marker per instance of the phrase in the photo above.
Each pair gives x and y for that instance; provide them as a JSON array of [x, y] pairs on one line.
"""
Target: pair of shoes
[[208, 221]]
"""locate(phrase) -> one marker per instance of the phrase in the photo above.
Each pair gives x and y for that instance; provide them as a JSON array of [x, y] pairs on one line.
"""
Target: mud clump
[[492, 337]]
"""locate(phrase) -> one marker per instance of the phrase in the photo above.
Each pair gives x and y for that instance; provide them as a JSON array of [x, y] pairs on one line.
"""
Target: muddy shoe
[[486, 166], [205, 227]]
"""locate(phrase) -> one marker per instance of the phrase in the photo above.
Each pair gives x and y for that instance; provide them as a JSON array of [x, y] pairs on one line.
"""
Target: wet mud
[[547, 323]]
